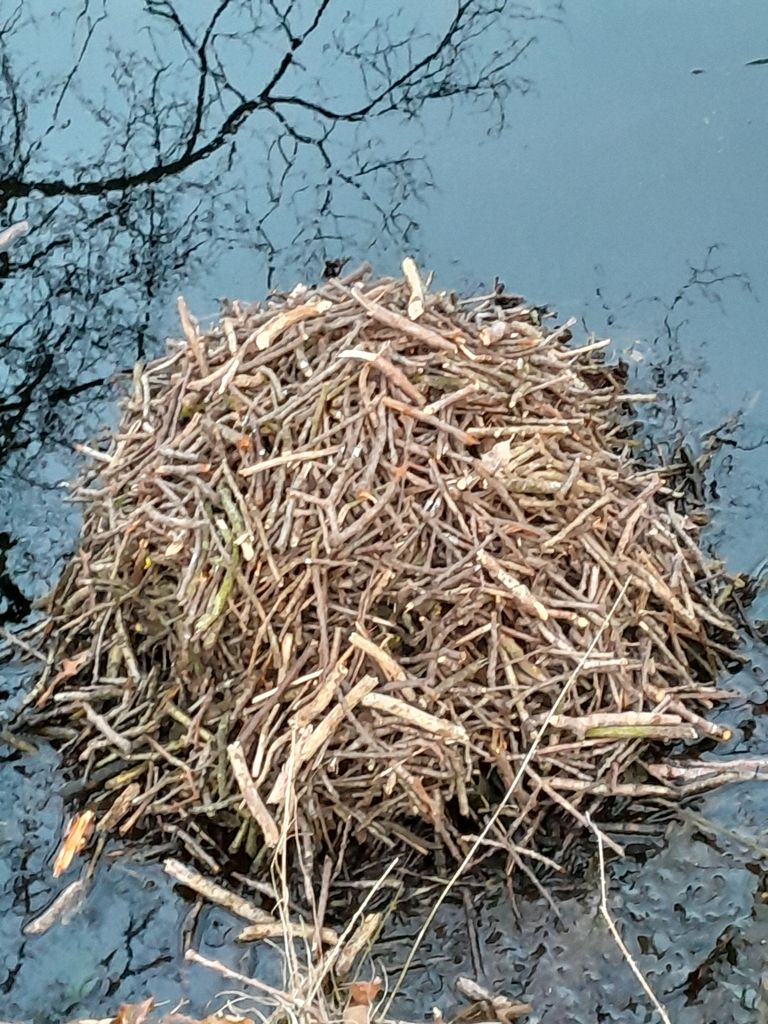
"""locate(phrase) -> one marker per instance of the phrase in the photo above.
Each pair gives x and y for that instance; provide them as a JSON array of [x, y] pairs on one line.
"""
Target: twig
[[214, 965], [216, 893], [663, 1015], [9, 235], [251, 796]]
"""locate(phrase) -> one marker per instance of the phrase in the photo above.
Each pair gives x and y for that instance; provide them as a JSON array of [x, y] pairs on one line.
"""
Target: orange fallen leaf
[[422, 794], [363, 993], [69, 667], [77, 835], [134, 1013]]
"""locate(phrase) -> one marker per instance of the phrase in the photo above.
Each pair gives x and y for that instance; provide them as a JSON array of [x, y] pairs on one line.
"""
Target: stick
[[412, 276], [663, 1015], [416, 717], [344, 938], [286, 460], [214, 965], [309, 746], [391, 372], [192, 335], [404, 325], [323, 696], [501, 1006], [251, 796], [9, 235], [216, 893], [272, 330], [123, 745], [393, 672], [366, 933], [65, 906], [288, 929]]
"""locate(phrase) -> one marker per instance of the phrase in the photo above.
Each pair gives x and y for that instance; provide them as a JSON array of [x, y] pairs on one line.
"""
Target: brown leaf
[[69, 667], [355, 1014], [363, 993], [134, 1013], [77, 835]]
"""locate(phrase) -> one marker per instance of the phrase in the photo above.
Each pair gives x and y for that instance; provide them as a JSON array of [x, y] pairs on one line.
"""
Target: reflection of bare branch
[[213, 125], [12, 93], [92, 26], [165, 9], [449, 67], [706, 279]]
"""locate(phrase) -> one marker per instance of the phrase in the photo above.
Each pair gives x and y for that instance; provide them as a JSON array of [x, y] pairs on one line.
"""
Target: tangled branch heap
[[340, 559]]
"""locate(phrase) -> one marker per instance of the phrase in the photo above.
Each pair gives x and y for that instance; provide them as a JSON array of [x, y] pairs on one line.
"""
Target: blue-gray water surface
[[607, 159]]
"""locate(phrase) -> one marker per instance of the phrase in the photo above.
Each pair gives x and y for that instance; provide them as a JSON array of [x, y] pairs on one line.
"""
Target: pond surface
[[606, 159]]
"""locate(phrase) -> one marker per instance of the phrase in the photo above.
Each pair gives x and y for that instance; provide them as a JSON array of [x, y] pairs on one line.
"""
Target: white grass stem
[[607, 917]]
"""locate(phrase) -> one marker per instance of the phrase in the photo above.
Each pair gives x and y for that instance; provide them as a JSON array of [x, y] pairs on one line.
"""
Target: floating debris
[[11, 234], [363, 559]]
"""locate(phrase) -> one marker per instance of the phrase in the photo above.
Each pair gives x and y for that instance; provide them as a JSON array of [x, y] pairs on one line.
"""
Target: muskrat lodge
[[370, 568]]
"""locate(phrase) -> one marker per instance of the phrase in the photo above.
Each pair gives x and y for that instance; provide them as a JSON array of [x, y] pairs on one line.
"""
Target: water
[[606, 159]]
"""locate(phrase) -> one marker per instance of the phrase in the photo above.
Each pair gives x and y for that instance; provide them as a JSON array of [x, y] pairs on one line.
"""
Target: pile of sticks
[[347, 554]]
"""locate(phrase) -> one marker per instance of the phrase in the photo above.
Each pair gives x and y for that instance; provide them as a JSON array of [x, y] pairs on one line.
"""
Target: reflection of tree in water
[[272, 122], [672, 355], [710, 417], [152, 148]]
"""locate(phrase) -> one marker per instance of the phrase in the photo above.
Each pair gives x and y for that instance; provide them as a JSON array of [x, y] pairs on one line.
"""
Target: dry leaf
[[498, 458], [356, 1014], [361, 996], [134, 1013], [77, 835], [363, 993], [69, 667]]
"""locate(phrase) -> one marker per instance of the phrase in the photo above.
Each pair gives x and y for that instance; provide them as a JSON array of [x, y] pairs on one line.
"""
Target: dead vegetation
[[337, 564]]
